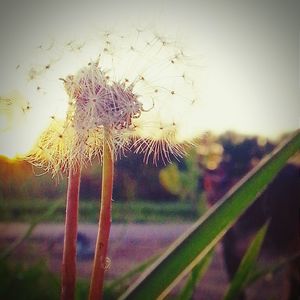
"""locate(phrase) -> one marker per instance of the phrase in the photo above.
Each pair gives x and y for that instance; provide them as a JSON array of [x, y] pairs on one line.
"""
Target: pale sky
[[248, 55]]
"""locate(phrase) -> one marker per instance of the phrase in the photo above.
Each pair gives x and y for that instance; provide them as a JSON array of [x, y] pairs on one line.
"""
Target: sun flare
[[247, 83], [142, 64]]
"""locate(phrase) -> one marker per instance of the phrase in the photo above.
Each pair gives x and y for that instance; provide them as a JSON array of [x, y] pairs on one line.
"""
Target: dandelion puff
[[163, 147], [95, 104], [124, 99], [130, 89]]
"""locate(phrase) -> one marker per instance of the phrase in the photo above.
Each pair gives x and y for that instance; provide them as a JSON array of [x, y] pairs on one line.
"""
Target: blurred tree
[[239, 155], [136, 180], [278, 203], [18, 181], [182, 179], [133, 180]]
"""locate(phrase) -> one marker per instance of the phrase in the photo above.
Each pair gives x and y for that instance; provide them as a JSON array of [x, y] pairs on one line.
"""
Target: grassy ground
[[34, 281], [135, 211], [37, 281]]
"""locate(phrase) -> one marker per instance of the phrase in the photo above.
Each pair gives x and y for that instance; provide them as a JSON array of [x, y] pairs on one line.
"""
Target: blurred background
[[181, 185], [248, 53], [152, 206]]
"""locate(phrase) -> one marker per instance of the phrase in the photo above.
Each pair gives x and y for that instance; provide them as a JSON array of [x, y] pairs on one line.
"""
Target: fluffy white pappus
[[134, 90]]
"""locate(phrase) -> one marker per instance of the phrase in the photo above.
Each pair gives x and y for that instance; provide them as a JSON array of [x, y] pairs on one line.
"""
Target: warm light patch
[[21, 124], [155, 69]]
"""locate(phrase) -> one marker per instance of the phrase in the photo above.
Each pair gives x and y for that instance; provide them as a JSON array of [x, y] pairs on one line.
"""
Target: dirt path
[[130, 244]]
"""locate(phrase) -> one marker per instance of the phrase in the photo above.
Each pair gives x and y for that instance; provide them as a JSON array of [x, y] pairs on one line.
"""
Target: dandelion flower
[[137, 87], [129, 97]]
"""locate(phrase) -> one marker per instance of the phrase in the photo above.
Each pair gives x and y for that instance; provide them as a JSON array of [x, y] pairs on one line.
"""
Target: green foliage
[[123, 212], [169, 178], [195, 276], [259, 273], [19, 282], [189, 253], [193, 245], [183, 182], [246, 266], [118, 286], [33, 223], [18, 180]]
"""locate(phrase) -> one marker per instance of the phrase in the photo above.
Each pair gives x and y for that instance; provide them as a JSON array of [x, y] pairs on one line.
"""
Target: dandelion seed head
[[134, 88], [99, 103]]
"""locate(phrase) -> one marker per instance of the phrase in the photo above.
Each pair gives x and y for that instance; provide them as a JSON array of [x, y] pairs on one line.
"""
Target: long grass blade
[[195, 276], [275, 267], [193, 245], [247, 264], [51, 210]]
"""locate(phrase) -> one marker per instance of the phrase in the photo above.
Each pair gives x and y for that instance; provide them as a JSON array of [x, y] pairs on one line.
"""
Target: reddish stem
[[70, 240], [96, 288]]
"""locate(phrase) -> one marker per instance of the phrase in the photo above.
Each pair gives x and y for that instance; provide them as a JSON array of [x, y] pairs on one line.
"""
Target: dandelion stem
[[71, 224], [96, 288]]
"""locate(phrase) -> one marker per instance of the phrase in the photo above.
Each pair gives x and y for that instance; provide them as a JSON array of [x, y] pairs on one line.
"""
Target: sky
[[248, 53]]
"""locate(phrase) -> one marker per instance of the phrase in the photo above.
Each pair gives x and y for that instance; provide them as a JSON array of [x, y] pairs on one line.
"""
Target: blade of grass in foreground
[[193, 245], [275, 267], [120, 283], [196, 275], [247, 264], [51, 210]]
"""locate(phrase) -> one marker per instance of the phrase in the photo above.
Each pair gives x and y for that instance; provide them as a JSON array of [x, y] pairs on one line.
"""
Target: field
[[123, 212], [141, 229], [34, 266]]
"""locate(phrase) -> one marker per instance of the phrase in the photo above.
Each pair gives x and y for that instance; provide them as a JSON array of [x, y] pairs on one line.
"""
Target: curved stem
[[70, 239], [96, 288]]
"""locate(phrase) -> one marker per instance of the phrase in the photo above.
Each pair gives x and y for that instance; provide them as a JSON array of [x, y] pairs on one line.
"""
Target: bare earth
[[130, 244]]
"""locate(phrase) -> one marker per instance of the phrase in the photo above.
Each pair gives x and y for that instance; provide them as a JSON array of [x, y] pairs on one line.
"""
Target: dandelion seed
[[33, 73], [107, 264], [69, 44], [26, 108], [46, 46], [107, 94]]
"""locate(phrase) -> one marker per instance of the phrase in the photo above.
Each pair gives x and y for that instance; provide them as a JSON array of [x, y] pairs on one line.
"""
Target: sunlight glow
[[247, 82], [155, 66]]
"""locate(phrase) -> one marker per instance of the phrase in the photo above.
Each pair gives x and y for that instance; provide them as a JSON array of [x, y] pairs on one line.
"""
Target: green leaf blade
[[195, 276], [247, 265], [192, 246]]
